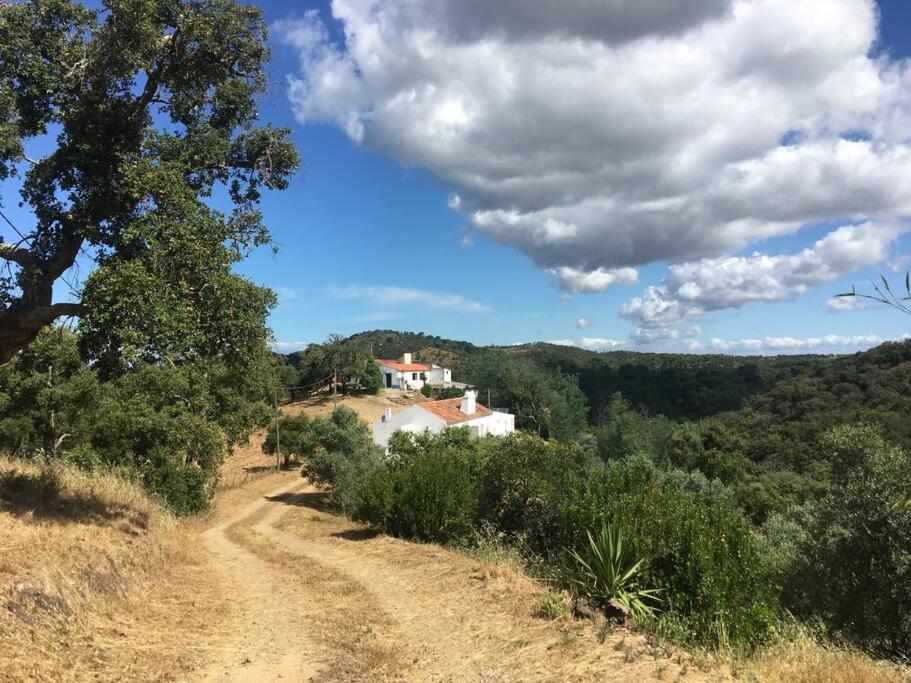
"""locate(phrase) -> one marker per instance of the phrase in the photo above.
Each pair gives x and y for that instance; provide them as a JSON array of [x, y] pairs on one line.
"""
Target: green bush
[[846, 560], [427, 390], [544, 496], [704, 556], [429, 494]]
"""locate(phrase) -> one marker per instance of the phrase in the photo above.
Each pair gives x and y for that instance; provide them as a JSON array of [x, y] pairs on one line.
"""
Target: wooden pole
[[278, 433]]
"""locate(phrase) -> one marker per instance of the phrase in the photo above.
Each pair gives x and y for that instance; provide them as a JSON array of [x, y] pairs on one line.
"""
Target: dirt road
[[324, 599]]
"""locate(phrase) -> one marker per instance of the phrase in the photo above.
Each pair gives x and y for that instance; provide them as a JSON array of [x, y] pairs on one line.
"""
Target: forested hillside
[[753, 422]]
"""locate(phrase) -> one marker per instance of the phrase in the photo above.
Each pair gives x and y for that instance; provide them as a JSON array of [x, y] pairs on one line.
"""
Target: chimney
[[406, 358], [468, 405], [387, 414]]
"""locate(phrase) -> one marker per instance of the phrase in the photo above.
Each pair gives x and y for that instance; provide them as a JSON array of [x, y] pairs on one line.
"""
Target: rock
[[617, 611], [582, 609]]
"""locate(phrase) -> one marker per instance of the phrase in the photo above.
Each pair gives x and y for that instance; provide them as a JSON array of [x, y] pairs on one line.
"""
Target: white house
[[438, 415], [403, 374]]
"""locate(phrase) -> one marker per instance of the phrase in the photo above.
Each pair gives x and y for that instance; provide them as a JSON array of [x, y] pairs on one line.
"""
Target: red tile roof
[[403, 367], [448, 410]]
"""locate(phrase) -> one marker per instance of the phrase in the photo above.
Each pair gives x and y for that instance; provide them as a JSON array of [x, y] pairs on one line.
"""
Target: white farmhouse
[[403, 374], [438, 415]]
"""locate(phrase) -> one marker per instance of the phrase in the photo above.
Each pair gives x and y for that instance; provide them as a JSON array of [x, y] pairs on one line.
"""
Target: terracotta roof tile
[[403, 367], [448, 410]]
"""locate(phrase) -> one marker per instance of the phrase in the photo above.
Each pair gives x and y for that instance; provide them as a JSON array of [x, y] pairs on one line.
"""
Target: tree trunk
[[20, 325]]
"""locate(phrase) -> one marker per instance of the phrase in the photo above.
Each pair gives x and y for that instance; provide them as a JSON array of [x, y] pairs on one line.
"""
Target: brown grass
[[93, 581], [803, 659]]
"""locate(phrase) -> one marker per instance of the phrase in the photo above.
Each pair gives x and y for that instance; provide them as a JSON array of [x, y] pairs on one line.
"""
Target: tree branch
[[49, 314], [16, 254]]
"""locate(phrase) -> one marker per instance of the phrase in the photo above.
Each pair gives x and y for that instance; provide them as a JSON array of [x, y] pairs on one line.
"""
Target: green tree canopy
[[153, 107]]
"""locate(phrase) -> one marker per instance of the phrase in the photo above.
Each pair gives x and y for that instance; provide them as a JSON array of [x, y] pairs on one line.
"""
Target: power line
[[12, 226]]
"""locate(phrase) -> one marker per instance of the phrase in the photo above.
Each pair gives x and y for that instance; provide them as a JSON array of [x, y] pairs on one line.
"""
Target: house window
[[414, 375]]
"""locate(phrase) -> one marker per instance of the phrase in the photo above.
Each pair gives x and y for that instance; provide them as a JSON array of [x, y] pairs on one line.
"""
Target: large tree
[[149, 107]]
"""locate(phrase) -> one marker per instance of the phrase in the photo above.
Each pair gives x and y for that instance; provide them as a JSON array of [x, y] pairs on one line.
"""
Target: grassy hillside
[[96, 578]]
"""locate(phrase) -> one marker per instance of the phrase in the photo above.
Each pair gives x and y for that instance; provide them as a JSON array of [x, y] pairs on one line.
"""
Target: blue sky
[[360, 224], [368, 238]]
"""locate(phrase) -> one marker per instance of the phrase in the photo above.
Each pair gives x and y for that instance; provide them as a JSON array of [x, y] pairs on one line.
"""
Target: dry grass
[[94, 581], [475, 618], [357, 641], [803, 659]]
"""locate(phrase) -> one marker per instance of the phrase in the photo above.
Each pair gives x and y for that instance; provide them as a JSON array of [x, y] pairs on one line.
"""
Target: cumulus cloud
[[575, 281], [385, 295], [599, 136], [693, 289], [582, 323]]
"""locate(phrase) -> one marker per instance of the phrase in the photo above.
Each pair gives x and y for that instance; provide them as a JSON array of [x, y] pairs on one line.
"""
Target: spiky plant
[[607, 570]]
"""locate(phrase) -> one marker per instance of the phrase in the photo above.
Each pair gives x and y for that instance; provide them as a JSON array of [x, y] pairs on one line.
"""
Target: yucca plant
[[609, 572]]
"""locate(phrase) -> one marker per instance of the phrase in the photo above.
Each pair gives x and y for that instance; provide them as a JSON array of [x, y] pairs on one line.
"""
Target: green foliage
[[348, 359], [846, 559], [544, 496], [427, 390], [167, 426], [428, 492], [547, 402], [154, 107], [607, 570], [552, 606], [371, 378]]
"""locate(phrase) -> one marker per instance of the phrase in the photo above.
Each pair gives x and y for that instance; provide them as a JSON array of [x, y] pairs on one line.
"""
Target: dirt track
[[323, 599]]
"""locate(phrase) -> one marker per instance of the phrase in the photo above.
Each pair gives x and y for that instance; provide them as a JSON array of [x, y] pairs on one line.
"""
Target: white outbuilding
[[436, 416]]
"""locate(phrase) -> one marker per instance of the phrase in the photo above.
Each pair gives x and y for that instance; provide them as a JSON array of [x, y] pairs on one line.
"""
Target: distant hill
[[687, 386]]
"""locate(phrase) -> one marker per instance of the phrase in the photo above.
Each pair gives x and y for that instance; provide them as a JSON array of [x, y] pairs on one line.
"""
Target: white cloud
[[286, 293], [693, 289], [599, 136], [592, 343], [582, 323], [831, 343], [385, 295], [845, 304], [575, 281], [289, 346]]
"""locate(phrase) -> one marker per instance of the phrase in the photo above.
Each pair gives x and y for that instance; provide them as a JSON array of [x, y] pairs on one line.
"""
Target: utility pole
[[488, 399], [278, 433], [335, 388]]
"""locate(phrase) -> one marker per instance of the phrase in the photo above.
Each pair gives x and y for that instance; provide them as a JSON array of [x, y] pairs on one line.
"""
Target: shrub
[[427, 390], [703, 556], [348, 473], [429, 494], [846, 560], [544, 497]]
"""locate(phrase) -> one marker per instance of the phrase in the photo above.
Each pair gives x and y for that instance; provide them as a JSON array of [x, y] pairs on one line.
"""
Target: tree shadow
[[364, 534], [42, 494], [316, 500]]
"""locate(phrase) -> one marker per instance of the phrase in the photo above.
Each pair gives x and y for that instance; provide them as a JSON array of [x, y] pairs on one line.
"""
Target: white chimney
[[468, 405], [406, 358], [387, 414]]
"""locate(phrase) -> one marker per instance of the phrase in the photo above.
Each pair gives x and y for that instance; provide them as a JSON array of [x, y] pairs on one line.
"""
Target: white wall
[[414, 419], [495, 424], [439, 375]]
